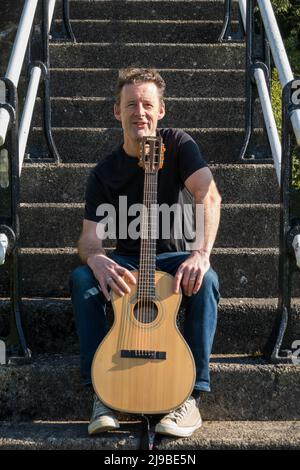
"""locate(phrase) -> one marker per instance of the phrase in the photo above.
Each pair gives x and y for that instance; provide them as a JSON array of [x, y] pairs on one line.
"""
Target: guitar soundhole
[[145, 311]]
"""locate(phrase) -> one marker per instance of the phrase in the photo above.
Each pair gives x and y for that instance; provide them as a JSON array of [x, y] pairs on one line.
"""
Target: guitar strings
[[145, 313], [148, 248], [146, 262], [148, 273], [143, 251], [142, 279]]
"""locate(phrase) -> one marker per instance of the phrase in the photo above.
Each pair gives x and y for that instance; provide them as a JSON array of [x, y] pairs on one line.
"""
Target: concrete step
[[144, 31], [51, 388], [213, 435], [148, 9], [244, 325], [84, 145], [180, 112], [204, 56], [65, 183], [180, 83], [58, 225], [243, 272]]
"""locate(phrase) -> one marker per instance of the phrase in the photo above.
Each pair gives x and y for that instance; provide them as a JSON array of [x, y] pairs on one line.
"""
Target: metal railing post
[[15, 341], [66, 20], [46, 88], [281, 337], [39, 59], [12, 147], [227, 34], [257, 57], [263, 38]]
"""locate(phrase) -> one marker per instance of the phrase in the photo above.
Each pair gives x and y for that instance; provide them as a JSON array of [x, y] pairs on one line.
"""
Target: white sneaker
[[181, 422], [103, 418]]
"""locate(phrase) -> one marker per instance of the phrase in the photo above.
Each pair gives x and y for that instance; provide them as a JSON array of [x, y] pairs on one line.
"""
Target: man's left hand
[[191, 272]]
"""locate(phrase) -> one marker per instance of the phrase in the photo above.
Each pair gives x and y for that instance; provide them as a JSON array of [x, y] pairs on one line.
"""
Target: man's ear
[[117, 112], [162, 111]]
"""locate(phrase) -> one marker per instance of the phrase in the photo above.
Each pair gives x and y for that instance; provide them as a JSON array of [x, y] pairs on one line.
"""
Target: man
[[139, 106]]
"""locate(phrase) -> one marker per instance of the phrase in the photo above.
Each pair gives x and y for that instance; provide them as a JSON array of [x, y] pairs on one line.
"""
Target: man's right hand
[[110, 275]]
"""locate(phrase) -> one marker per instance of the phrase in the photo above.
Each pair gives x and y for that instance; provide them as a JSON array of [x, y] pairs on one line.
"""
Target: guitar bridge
[[143, 354]]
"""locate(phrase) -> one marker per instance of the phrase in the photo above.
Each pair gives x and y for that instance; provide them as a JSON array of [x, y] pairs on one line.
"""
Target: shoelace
[[180, 412]]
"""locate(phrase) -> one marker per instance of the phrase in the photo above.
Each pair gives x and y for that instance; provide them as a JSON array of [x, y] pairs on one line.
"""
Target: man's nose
[[139, 109]]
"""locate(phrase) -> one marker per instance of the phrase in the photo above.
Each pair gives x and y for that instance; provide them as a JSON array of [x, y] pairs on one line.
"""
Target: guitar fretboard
[[146, 284]]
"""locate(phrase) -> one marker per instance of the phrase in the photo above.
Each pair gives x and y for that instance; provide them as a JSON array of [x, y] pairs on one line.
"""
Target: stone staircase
[[253, 404]]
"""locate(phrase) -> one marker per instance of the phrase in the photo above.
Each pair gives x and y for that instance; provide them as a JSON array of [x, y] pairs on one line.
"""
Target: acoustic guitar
[[144, 365]]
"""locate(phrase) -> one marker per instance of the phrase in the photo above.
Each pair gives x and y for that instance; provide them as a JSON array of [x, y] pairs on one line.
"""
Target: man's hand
[[110, 274], [191, 272]]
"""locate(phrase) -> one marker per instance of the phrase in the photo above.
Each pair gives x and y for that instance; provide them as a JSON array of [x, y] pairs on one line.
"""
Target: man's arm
[[106, 271], [203, 188], [89, 244]]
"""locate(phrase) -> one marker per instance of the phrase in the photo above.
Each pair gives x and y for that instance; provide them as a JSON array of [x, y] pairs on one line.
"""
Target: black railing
[[279, 346], [257, 56], [37, 56], [229, 32], [283, 334], [15, 341]]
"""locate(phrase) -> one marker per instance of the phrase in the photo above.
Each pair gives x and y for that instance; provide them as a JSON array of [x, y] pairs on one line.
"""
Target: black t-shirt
[[119, 174]]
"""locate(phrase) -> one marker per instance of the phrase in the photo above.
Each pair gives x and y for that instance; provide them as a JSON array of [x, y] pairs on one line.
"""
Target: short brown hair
[[133, 75]]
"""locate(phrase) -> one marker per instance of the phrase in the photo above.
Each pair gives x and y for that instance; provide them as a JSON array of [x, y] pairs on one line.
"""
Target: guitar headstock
[[152, 152]]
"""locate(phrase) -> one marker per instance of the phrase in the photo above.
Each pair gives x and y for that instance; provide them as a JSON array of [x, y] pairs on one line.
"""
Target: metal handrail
[[280, 56], [13, 74], [25, 123], [285, 76], [39, 69], [269, 119], [265, 100], [262, 37], [15, 139], [17, 58], [278, 51]]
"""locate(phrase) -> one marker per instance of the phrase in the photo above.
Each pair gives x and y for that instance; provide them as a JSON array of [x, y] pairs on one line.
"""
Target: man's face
[[139, 111]]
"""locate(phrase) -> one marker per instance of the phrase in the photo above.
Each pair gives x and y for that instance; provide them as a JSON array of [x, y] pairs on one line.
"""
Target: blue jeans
[[89, 306]]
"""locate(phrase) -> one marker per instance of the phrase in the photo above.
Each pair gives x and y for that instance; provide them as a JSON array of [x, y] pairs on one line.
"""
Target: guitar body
[[144, 365]]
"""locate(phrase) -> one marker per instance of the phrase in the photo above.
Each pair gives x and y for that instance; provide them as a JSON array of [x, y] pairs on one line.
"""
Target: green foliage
[[296, 169], [293, 51], [276, 99], [288, 17], [281, 6]]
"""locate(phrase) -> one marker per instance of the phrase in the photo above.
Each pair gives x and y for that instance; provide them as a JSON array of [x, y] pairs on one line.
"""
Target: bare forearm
[[212, 208], [88, 247]]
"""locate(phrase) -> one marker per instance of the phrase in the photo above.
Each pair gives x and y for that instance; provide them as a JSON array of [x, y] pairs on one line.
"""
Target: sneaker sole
[[169, 430], [98, 428]]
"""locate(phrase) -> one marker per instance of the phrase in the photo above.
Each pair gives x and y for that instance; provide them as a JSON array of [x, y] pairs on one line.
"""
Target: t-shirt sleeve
[[94, 196], [190, 157]]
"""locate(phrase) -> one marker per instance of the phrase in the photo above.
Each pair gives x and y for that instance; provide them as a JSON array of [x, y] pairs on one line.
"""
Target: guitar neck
[[146, 283]]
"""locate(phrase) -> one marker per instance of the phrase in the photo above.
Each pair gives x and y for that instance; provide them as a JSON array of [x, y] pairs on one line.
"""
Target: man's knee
[[210, 285], [81, 278], [210, 280]]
